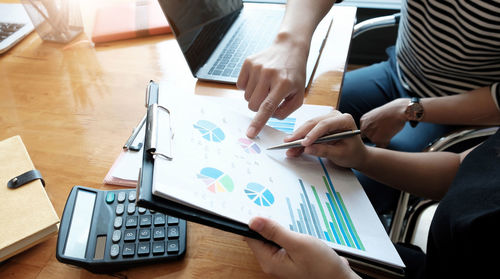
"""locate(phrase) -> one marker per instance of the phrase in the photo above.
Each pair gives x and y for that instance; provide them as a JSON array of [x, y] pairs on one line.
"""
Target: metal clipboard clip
[[157, 130]]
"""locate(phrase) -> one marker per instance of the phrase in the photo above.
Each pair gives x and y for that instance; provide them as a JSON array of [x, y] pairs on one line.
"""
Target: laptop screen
[[199, 25]]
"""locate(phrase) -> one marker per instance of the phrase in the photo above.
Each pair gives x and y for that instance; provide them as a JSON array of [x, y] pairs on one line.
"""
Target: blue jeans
[[373, 86]]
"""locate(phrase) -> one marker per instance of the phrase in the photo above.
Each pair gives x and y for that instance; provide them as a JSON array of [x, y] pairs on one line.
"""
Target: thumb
[[273, 231]]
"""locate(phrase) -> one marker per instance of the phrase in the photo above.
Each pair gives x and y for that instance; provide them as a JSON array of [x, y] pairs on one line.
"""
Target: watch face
[[414, 112]]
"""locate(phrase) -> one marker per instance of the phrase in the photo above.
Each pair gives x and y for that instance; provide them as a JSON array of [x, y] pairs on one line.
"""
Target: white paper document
[[216, 168]]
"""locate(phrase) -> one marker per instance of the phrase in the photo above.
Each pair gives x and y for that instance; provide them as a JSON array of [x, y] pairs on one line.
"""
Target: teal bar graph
[[286, 125], [328, 220]]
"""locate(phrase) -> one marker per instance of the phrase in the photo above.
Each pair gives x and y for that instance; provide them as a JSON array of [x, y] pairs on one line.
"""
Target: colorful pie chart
[[216, 180], [259, 194], [210, 131], [249, 146]]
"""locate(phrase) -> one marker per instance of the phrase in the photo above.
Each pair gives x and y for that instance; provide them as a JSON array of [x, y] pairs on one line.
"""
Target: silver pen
[[327, 138], [135, 131]]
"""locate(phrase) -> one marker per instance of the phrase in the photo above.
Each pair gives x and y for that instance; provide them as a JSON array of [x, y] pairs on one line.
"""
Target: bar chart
[[286, 125], [323, 214]]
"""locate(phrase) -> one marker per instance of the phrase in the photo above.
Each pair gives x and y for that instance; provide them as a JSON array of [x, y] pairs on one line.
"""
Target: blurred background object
[[55, 20]]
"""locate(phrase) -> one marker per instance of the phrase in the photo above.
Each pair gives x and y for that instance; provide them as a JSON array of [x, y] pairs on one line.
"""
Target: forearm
[[301, 19], [471, 108], [424, 174]]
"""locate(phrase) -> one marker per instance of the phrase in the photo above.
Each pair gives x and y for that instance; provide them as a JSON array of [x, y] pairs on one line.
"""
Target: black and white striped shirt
[[449, 47]]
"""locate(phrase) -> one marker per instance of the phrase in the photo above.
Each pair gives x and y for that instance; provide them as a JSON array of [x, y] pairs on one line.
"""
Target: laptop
[[217, 36], [15, 24]]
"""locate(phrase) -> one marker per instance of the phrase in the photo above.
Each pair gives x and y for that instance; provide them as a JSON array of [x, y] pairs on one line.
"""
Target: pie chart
[[216, 180], [210, 131], [259, 194], [249, 146]]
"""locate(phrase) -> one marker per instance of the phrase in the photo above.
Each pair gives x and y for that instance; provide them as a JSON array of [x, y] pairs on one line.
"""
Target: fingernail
[[305, 141], [251, 131], [256, 225]]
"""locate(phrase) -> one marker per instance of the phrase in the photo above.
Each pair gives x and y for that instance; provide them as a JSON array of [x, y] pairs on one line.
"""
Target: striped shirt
[[449, 47]]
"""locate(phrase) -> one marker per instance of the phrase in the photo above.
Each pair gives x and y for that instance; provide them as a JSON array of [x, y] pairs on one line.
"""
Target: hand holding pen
[[346, 152], [323, 139]]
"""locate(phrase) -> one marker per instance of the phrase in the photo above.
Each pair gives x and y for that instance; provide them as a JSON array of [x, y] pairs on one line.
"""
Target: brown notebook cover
[[27, 216], [129, 20]]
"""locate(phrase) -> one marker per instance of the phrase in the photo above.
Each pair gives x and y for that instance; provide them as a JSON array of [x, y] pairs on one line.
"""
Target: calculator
[[104, 231]]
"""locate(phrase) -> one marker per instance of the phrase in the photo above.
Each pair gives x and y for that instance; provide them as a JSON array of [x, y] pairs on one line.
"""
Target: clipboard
[[145, 197]]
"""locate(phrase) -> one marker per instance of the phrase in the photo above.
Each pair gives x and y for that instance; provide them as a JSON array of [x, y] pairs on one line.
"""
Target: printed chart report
[[216, 168]]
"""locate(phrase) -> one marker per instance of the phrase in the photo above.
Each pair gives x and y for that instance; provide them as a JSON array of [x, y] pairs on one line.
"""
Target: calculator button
[[120, 208], [171, 220], [141, 210], [172, 246], [131, 222], [129, 235], [173, 232], [114, 250], [128, 249], [121, 196], [158, 233], [131, 196], [117, 235], [158, 247], [145, 221], [118, 222], [110, 197], [143, 249], [144, 234], [159, 219], [131, 208]]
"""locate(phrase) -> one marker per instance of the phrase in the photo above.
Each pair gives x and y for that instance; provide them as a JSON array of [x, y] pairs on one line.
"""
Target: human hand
[[274, 81], [300, 255], [381, 124], [348, 152]]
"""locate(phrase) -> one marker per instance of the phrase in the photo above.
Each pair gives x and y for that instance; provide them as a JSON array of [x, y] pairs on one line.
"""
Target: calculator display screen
[[76, 243]]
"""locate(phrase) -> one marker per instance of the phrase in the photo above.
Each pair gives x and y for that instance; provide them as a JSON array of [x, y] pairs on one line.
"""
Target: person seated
[[443, 73], [464, 228]]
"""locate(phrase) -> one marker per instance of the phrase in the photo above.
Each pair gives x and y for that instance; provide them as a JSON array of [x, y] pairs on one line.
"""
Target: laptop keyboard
[[7, 29], [244, 43]]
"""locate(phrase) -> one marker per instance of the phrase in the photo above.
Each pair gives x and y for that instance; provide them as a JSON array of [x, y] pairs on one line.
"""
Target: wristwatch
[[414, 111]]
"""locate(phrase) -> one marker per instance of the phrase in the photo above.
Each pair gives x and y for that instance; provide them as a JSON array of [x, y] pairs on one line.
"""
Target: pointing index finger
[[260, 119]]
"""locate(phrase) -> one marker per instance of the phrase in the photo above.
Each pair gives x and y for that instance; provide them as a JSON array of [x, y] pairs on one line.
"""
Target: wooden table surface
[[75, 105]]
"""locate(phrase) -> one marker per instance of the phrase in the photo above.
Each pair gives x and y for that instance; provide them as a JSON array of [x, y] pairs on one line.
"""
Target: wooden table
[[74, 107]]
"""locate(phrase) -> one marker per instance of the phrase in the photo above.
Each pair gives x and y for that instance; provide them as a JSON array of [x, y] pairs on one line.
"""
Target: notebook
[[217, 36], [28, 216], [15, 24]]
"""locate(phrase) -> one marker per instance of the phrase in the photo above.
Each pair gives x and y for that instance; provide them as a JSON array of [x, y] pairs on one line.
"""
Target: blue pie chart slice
[[209, 131], [259, 194]]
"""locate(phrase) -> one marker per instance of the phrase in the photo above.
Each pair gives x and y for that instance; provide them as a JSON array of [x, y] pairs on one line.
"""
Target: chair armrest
[[374, 23], [456, 137]]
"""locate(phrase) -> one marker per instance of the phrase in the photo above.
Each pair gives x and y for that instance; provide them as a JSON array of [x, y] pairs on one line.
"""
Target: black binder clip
[[155, 134], [25, 178]]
